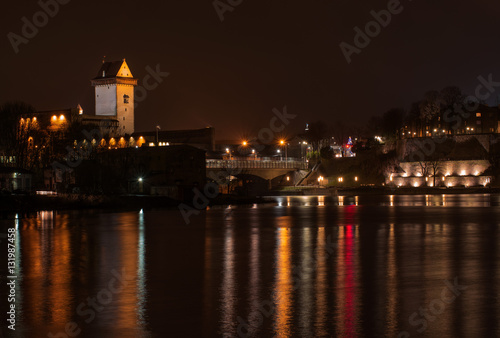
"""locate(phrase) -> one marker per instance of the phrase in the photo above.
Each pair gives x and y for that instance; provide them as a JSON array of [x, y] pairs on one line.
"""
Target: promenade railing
[[255, 164]]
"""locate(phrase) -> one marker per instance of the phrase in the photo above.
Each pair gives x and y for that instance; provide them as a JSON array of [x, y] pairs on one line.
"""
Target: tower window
[[124, 118], [125, 98]]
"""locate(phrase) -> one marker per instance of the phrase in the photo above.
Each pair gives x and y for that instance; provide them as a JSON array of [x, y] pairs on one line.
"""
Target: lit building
[[482, 120], [455, 163], [169, 171], [114, 96], [200, 138], [114, 105]]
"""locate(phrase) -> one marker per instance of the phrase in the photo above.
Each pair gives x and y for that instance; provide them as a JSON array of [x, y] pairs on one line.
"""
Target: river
[[367, 266]]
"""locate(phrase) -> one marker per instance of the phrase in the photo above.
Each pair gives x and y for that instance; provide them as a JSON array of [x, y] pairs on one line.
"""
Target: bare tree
[[430, 107], [451, 96], [430, 168], [317, 133], [424, 168], [434, 168], [20, 135], [392, 121]]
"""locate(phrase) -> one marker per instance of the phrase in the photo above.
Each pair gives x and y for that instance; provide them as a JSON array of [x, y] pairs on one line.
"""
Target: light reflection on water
[[450, 200], [304, 266]]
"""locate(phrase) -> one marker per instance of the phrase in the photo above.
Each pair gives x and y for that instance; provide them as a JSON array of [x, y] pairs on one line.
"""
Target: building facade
[[480, 120], [114, 95], [171, 170], [450, 161]]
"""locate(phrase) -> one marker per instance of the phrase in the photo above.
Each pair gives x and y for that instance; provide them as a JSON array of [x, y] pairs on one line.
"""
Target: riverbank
[[414, 191], [24, 203], [361, 191], [29, 203]]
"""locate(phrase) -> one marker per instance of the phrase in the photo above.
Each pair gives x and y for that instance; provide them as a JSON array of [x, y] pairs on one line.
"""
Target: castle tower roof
[[114, 72]]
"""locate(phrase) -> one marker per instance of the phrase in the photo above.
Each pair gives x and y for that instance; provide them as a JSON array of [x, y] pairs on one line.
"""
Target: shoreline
[[415, 191], [33, 203], [364, 191]]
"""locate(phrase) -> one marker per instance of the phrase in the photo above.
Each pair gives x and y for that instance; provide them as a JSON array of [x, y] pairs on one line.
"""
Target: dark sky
[[264, 55]]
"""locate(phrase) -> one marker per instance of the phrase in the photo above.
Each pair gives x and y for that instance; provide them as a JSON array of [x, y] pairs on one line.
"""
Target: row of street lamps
[[283, 143]]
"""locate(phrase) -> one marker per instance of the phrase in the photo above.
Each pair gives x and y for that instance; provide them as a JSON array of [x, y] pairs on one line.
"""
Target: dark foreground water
[[385, 266]]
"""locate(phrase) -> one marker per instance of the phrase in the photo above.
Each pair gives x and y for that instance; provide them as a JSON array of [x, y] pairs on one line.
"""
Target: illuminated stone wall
[[449, 173]]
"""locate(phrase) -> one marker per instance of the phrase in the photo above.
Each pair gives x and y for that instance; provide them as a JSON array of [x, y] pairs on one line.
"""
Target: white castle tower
[[114, 94]]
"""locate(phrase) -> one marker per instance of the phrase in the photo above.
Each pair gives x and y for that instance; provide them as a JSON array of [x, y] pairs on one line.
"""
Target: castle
[[114, 96], [114, 104]]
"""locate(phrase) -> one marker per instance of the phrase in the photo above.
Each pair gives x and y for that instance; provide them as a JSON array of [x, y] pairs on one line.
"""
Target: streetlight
[[244, 143], [141, 187], [302, 150], [157, 129], [229, 152], [283, 143]]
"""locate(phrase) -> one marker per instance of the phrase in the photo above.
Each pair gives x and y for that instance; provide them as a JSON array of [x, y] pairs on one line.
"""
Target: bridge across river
[[266, 169]]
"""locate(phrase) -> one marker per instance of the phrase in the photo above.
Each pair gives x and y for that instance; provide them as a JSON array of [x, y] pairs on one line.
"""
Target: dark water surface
[[374, 266]]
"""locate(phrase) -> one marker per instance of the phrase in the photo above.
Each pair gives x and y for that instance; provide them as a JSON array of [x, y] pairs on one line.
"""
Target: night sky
[[264, 55]]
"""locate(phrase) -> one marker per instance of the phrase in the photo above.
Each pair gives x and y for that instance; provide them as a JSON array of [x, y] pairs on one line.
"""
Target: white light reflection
[[254, 285], [321, 201], [46, 219], [227, 290], [19, 269], [141, 271], [392, 284]]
